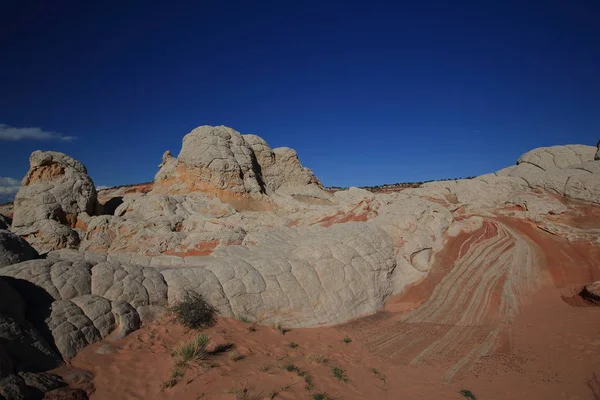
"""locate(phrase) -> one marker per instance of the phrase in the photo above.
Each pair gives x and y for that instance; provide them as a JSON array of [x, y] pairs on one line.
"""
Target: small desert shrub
[[307, 380], [378, 375], [194, 312], [280, 328], [222, 348], [302, 374], [235, 356], [265, 368], [245, 393], [346, 340], [176, 375], [318, 358], [293, 345], [251, 327], [339, 373], [192, 351], [321, 396], [243, 318], [289, 368], [468, 394]]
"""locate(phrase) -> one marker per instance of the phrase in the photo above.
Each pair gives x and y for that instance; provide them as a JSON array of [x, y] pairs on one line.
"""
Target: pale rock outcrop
[[214, 160], [220, 161], [570, 171], [47, 235], [88, 299], [280, 170], [14, 249], [56, 188], [298, 277]]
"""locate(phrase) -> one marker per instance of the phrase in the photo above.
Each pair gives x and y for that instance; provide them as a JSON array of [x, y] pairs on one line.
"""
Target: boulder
[[14, 249], [56, 188]]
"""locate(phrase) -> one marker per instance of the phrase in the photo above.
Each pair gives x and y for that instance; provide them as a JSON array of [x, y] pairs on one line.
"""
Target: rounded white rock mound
[[54, 192]]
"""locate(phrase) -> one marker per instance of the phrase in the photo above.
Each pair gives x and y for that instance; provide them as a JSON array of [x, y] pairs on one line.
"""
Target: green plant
[[176, 375], [308, 383], [468, 394], [243, 318], [289, 367], [378, 375], [318, 358], [280, 328], [192, 351], [245, 393], [194, 312], [293, 345], [346, 340], [264, 368], [222, 348], [339, 374], [302, 374], [321, 396], [235, 356]]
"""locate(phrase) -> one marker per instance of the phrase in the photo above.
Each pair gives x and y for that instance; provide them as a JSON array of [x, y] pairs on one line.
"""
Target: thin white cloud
[[14, 134], [8, 189], [101, 187]]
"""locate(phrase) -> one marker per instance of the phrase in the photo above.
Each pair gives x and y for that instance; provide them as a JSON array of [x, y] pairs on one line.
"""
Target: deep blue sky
[[367, 92]]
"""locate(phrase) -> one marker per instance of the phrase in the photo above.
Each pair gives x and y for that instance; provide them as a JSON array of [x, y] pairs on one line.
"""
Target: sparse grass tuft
[[245, 393], [264, 368], [222, 348], [176, 376], [468, 394], [293, 345], [318, 358], [302, 374], [321, 396], [243, 318], [235, 356], [378, 375], [280, 328], [339, 373], [346, 340], [194, 312], [308, 383], [192, 351], [290, 368]]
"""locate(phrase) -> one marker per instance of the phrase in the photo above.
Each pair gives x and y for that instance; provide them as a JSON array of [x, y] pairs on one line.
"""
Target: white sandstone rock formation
[[307, 258], [56, 188], [221, 162]]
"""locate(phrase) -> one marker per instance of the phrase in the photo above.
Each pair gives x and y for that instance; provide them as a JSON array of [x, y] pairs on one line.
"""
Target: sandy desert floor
[[453, 331]]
